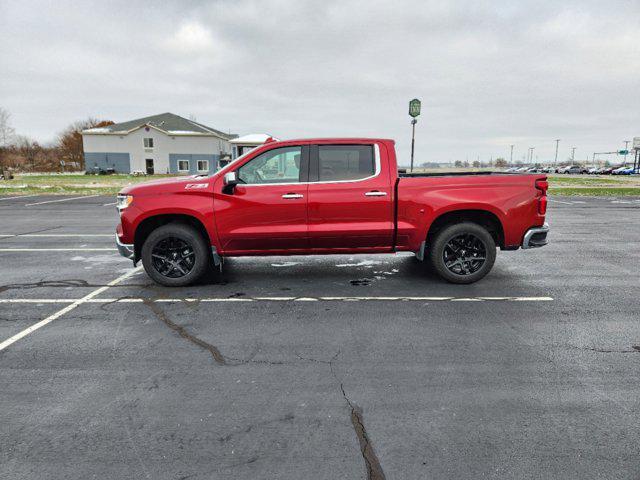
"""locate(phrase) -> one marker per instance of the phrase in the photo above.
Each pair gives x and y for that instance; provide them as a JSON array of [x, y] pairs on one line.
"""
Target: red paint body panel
[[334, 217]]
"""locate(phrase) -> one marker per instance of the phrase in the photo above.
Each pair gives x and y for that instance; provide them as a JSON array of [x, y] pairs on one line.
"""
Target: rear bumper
[[536, 237], [124, 249]]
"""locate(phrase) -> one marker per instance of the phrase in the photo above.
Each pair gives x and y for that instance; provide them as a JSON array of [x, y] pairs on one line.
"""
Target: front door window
[[149, 165], [280, 165]]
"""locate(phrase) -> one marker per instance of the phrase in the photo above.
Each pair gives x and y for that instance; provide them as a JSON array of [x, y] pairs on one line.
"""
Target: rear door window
[[345, 162]]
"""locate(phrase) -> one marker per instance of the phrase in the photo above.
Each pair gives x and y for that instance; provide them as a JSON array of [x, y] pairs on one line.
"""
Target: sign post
[[414, 111]]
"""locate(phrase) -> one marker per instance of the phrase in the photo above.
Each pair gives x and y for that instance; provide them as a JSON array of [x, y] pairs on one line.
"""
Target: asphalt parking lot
[[318, 367]]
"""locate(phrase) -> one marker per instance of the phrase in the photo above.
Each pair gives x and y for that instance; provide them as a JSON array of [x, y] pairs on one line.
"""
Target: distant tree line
[[24, 154]]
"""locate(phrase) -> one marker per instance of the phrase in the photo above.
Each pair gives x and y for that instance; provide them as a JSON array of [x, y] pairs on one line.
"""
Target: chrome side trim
[[376, 154], [526, 241]]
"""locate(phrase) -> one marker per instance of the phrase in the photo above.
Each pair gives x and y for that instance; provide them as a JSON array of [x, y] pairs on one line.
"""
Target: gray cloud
[[488, 73]]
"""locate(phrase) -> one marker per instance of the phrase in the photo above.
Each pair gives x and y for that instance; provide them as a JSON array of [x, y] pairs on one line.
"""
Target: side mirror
[[230, 181]]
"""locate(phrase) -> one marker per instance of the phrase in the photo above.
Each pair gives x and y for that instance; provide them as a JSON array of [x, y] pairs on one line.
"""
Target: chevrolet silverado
[[329, 196]]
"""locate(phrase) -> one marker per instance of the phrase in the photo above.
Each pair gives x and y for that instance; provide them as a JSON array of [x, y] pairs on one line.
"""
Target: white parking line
[[108, 204], [67, 309], [278, 299], [56, 235], [18, 196], [13, 250], [60, 200]]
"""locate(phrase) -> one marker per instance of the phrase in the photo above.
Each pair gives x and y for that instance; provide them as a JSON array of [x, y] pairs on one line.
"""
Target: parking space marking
[[67, 309], [18, 196], [60, 200], [79, 249], [56, 235], [276, 299]]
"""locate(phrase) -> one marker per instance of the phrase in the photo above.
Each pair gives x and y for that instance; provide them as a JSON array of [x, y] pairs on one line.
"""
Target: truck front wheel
[[463, 252], [175, 255]]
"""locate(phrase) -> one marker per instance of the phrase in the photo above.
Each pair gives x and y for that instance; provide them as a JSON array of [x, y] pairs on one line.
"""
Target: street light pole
[[573, 153], [555, 160], [511, 157]]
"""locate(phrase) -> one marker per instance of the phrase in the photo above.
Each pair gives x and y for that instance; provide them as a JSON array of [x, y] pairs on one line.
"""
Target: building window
[[203, 165], [183, 165], [148, 143]]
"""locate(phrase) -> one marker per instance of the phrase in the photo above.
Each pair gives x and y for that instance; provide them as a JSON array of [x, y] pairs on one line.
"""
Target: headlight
[[123, 201]]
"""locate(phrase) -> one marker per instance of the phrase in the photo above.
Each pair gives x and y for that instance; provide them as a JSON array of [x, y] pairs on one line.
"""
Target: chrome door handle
[[292, 195], [375, 193]]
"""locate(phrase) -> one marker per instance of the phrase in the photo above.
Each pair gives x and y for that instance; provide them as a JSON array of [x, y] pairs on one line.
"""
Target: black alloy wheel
[[173, 257], [176, 254], [464, 254]]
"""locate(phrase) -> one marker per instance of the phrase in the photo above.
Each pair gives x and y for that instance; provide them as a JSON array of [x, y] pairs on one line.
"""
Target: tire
[[186, 255], [473, 241]]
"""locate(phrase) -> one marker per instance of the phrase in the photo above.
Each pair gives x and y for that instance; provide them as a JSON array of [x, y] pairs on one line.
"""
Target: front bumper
[[536, 237], [125, 249]]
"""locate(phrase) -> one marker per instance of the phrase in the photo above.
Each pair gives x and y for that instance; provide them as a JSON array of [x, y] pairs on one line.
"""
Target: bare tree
[[7, 132], [28, 149], [70, 139]]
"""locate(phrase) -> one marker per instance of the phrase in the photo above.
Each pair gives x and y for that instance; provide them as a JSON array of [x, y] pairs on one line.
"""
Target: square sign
[[414, 107], [636, 143]]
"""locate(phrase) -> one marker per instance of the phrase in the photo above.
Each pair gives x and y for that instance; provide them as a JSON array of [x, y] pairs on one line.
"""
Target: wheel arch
[[484, 218], [149, 224]]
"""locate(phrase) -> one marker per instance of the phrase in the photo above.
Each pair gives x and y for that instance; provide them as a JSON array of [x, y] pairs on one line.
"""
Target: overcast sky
[[489, 74]]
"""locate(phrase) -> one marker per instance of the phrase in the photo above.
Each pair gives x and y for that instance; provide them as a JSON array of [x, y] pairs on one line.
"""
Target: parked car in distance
[[329, 196], [573, 169]]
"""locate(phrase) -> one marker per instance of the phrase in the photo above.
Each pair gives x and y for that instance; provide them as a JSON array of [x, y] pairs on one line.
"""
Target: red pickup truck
[[328, 196]]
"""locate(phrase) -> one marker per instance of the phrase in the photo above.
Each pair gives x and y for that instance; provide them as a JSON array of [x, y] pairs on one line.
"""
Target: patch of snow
[[285, 264], [362, 263], [253, 138]]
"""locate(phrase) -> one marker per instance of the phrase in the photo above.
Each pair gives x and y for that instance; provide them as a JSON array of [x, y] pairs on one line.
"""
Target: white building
[[242, 145], [164, 143]]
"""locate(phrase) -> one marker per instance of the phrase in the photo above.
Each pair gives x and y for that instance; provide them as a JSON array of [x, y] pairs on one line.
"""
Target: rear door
[[267, 211], [349, 198]]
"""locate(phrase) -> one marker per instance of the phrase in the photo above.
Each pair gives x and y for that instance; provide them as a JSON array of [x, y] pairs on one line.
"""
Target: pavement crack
[[180, 330], [31, 232], [374, 469], [634, 349]]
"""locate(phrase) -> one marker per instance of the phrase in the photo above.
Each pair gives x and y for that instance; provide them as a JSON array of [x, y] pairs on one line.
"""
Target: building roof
[[169, 123], [252, 139]]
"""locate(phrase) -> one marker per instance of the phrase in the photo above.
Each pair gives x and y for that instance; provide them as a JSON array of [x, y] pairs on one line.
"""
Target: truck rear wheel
[[175, 255], [463, 252]]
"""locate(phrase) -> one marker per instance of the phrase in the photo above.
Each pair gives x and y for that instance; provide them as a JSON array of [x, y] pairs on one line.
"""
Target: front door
[[267, 210], [149, 164], [350, 202]]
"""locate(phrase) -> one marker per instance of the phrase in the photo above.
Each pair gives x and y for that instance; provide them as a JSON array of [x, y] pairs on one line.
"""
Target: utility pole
[[511, 157], [555, 160], [626, 149], [573, 154]]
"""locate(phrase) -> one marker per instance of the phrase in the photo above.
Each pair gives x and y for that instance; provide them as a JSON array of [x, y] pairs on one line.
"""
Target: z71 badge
[[193, 186]]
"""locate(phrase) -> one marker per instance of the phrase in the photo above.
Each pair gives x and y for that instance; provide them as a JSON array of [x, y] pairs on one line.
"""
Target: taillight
[[542, 185], [542, 205]]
